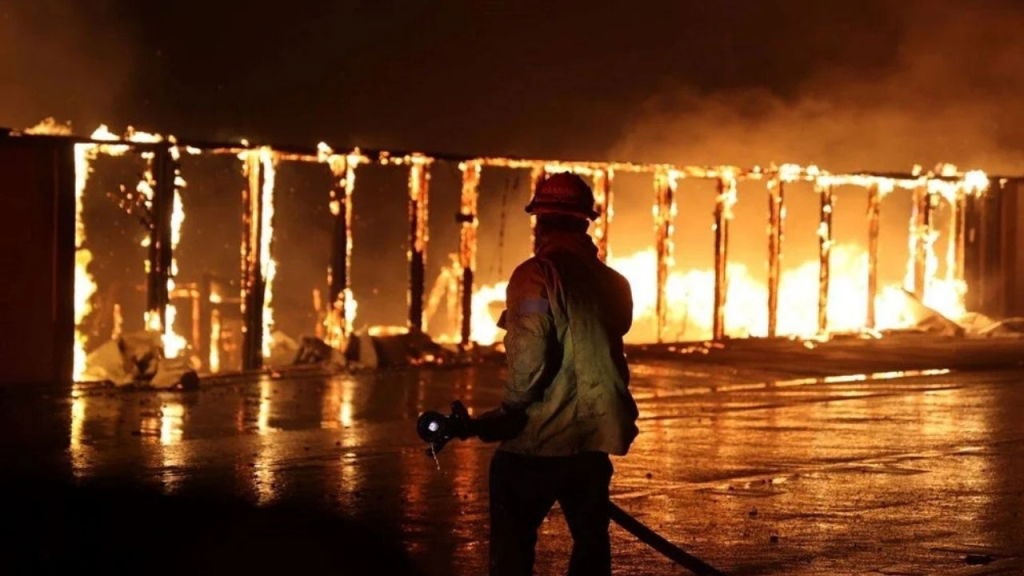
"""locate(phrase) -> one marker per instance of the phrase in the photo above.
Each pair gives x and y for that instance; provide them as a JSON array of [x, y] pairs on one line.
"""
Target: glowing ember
[[384, 330]]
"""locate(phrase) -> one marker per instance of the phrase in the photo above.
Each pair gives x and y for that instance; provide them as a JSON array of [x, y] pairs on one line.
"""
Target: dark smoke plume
[[64, 59], [951, 95]]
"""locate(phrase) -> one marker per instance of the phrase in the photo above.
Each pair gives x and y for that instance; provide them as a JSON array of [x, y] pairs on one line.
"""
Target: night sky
[[568, 79]]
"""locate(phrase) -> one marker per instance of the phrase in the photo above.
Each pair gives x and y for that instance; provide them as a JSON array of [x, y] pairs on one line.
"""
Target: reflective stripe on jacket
[[566, 314]]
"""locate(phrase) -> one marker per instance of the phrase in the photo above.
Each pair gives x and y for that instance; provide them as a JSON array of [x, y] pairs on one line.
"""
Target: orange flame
[[690, 294], [268, 266], [85, 286]]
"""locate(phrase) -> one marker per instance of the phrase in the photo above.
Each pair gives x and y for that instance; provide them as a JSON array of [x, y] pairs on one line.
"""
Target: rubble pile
[[137, 359]]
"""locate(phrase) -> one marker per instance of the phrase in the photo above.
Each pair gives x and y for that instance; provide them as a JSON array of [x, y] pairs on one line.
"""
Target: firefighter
[[567, 392]]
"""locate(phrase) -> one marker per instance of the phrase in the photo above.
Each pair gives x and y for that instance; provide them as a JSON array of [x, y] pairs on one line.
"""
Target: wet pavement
[[753, 470]]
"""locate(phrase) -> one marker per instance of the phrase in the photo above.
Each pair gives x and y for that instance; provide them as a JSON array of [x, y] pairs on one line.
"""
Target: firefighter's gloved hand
[[503, 423], [459, 422]]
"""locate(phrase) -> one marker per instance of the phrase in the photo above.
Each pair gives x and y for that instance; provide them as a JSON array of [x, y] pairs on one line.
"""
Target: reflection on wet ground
[[859, 474]]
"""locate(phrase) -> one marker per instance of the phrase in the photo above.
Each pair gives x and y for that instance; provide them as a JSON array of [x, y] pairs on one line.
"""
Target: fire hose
[[437, 430]]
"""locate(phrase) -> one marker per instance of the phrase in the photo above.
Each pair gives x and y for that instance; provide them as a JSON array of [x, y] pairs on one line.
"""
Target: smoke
[[63, 59], [951, 94]]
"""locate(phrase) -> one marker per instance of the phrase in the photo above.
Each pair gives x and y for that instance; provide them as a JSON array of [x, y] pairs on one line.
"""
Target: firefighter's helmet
[[563, 193]]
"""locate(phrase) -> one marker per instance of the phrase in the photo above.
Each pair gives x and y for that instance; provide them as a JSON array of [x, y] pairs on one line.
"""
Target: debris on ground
[[130, 358], [283, 349], [976, 323], [314, 351], [360, 351], [928, 319], [175, 372], [369, 348], [1009, 327], [137, 359]]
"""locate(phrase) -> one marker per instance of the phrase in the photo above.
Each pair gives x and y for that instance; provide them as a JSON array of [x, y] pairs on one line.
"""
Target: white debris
[[137, 359]]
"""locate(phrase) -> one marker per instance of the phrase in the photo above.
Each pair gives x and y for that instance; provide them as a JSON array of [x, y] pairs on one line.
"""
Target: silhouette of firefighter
[[567, 405]]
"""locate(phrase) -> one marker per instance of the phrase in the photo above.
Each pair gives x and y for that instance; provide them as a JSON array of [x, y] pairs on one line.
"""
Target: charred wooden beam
[[664, 214], [339, 273], [776, 219], [984, 268], [537, 171], [164, 169], [205, 312], [723, 214], [337, 270], [982, 237], [253, 282], [419, 194], [1006, 250], [873, 213], [603, 205], [973, 244], [824, 254], [958, 236], [467, 217], [921, 238]]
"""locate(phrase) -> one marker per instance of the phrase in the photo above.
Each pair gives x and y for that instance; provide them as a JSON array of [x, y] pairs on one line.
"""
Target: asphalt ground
[[903, 456]]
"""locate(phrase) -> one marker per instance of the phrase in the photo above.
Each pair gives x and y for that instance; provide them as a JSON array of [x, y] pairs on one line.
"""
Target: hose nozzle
[[437, 429]]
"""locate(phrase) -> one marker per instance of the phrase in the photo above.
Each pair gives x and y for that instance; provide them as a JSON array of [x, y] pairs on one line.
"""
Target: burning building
[[224, 312]]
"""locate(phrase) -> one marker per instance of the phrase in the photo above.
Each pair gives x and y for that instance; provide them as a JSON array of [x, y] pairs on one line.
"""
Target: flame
[[49, 126], [85, 287], [174, 343], [268, 266], [386, 330], [690, 294], [976, 182], [687, 298], [214, 340], [690, 298], [484, 323], [351, 308], [103, 133], [343, 168]]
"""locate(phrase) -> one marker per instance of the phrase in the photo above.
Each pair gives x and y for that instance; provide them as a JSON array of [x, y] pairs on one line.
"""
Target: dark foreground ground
[[750, 457]]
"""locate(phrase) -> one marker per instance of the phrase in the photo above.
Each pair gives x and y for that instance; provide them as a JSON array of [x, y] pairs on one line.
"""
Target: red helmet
[[563, 193]]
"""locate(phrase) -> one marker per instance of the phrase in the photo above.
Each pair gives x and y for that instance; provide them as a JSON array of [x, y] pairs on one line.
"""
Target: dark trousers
[[524, 488]]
